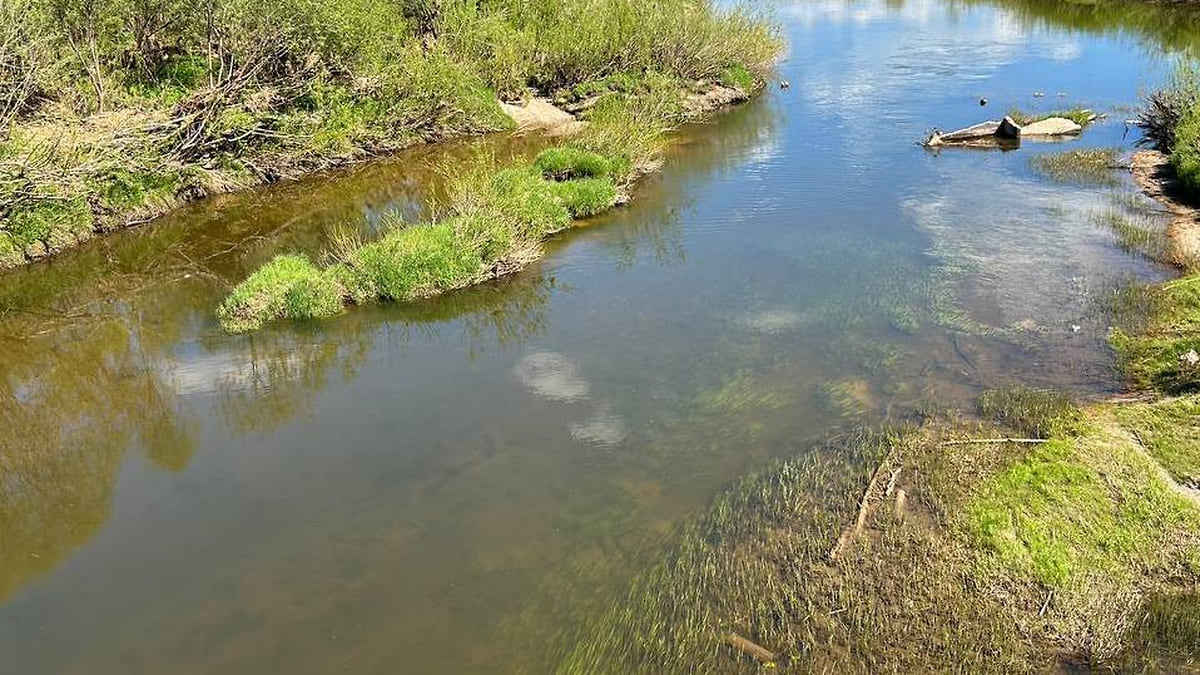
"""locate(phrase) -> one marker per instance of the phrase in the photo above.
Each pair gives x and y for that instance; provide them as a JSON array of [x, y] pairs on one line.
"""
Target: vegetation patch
[[911, 550], [1038, 413], [1162, 352], [1093, 166], [1081, 116], [492, 224], [1169, 429]]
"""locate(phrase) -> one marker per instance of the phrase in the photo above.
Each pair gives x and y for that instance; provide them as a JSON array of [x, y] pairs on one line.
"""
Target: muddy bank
[[1153, 173]]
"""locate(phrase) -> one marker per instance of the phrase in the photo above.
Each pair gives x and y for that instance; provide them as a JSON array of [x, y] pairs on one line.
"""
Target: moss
[[44, 220], [1170, 431], [289, 286], [1071, 509], [1157, 354]]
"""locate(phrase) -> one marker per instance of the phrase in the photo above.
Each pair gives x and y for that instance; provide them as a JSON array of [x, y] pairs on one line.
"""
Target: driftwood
[[987, 441], [851, 533], [752, 649]]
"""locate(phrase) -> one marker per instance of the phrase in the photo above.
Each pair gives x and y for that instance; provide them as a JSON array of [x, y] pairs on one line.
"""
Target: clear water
[[444, 487]]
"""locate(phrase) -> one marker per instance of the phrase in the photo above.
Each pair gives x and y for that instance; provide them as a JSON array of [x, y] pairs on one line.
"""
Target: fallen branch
[[751, 649], [852, 532], [985, 441]]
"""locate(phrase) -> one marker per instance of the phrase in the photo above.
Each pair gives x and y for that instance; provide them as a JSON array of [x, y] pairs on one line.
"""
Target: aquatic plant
[[1012, 552], [1092, 166], [492, 225], [1081, 116]]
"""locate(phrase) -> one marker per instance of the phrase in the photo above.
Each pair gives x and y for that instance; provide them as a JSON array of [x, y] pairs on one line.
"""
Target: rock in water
[[1008, 129], [1052, 126]]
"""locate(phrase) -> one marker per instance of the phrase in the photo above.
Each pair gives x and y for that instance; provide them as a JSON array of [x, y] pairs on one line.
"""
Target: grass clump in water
[[1136, 234], [568, 162], [289, 286], [493, 224], [1081, 116], [416, 261], [1093, 166]]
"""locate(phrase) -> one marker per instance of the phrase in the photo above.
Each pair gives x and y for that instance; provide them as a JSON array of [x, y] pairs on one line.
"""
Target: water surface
[[447, 486]]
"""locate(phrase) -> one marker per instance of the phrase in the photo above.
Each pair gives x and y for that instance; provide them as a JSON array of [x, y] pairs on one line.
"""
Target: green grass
[[1081, 116], [494, 219], [1155, 354], [1037, 413], [1071, 509], [289, 286], [568, 162], [417, 261], [585, 197], [1170, 431], [334, 81]]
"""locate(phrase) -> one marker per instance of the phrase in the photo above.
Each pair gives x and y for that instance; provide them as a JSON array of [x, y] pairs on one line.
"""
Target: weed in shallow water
[[1093, 166]]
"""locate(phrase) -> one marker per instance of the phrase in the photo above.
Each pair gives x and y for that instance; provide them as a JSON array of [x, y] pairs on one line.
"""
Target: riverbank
[[113, 117]]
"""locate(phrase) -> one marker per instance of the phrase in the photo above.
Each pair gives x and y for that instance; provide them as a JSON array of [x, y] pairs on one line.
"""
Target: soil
[[1153, 173]]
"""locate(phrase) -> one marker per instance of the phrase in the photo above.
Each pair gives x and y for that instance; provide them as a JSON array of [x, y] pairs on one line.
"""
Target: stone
[[1052, 126]]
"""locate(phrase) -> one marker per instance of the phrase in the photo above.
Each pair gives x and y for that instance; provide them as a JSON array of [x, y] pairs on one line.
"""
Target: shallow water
[[448, 486]]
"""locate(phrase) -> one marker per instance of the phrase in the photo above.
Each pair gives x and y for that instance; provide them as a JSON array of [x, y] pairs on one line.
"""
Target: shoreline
[[1152, 172]]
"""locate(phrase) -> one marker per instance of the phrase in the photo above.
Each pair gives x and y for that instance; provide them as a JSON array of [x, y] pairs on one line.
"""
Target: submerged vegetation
[[112, 112], [917, 549], [1092, 166]]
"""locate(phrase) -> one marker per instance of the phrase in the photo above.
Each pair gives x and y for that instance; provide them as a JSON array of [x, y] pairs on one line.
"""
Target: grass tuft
[[1036, 413]]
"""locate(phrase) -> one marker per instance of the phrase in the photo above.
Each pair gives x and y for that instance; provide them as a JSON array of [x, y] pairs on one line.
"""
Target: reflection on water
[[449, 485]]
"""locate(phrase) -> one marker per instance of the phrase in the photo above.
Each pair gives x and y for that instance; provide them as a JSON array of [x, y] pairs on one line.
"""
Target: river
[[447, 486]]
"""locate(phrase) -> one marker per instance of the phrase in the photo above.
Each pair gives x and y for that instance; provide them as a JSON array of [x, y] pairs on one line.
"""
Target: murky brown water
[[443, 487]]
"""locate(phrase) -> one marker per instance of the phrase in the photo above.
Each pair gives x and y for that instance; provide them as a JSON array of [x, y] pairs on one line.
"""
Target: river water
[[444, 487]]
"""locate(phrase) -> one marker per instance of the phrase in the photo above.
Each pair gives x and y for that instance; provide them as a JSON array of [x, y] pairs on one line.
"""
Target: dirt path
[[1153, 173]]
